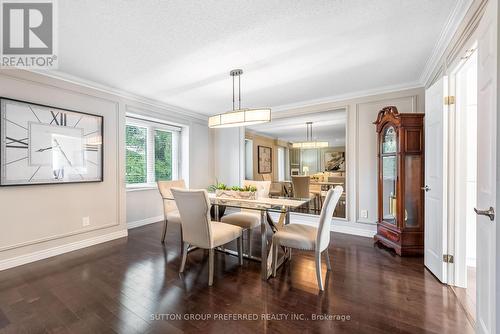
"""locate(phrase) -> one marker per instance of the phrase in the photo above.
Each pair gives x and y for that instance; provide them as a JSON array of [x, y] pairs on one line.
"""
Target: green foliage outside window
[[135, 142], [163, 155]]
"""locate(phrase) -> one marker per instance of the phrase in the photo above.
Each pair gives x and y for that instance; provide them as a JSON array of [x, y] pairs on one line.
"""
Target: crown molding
[[121, 93], [454, 20], [256, 133], [349, 96]]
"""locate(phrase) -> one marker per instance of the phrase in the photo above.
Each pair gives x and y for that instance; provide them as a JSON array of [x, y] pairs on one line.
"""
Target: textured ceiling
[[181, 51], [327, 126]]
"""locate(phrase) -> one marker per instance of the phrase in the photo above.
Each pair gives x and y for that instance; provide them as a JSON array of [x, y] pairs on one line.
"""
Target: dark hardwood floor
[[132, 285]]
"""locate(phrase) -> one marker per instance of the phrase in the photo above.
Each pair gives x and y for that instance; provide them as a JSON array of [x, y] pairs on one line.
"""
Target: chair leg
[[289, 254], [182, 238], [240, 250], [164, 233], [318, 270], [185, 246], [328, 264], [249, 242], [275, 257], [210, 267]]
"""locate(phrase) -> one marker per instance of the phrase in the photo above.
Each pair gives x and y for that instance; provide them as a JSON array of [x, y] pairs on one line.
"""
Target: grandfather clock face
[[41, 144]]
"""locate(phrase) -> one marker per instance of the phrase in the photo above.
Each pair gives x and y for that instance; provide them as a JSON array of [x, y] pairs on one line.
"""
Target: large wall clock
[[45, 145]]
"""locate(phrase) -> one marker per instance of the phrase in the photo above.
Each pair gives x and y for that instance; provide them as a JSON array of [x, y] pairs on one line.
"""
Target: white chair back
[[263, 187], [325, 218], [164, 188], [194, 209]]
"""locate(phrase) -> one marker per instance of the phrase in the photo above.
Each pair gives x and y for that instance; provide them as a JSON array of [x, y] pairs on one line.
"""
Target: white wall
[[361, 152], [361, 148], [144, 206], [497, 262], [364, 156], [45, 220], [41, 217], [229, 153], [201, 159]]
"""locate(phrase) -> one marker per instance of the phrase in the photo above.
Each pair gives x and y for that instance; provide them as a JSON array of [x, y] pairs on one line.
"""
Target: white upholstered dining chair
[[249, 219], [199, 230], [170, 212], [307, 237]]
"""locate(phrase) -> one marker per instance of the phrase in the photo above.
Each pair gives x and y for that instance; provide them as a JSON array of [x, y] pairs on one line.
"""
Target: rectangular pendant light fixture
[[243, 117], [310, 143], [239, 117]]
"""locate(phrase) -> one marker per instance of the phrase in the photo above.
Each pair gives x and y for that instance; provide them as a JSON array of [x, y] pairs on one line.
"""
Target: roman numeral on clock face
[[16, 143], [59, 118]]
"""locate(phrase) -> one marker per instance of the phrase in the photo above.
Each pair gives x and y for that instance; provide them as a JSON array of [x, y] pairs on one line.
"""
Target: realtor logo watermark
[[28, 34]]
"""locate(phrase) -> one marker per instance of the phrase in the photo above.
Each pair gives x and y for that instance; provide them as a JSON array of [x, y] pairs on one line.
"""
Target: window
[[163, 155], [281, 164], [152, 152], [136, 147], [248, 159]]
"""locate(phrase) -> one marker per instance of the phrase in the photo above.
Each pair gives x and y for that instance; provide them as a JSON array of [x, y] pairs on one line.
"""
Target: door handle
[[426, 188], [490, 213]]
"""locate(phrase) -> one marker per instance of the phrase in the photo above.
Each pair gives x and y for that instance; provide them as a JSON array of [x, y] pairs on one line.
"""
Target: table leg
[[216, 212], [264, 253], [266, 250]]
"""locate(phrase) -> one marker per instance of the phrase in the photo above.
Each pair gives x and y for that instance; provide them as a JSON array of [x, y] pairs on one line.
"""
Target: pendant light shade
[[239, 117], [310, 143]]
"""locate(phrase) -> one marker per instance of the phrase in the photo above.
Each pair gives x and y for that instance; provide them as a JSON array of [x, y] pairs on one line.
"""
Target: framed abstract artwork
[[334, 161], [265, 159], [41, 144]]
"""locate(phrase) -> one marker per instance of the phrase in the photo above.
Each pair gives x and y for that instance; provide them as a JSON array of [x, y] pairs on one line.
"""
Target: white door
[[486, 168], [435, 163]]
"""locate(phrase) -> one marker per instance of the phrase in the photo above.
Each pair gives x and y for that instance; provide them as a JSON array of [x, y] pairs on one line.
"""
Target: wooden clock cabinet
[[400, 156]]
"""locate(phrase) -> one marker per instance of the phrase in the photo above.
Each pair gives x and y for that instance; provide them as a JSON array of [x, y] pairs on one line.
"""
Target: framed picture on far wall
[[41, 144], [265, 158], [335, 161]]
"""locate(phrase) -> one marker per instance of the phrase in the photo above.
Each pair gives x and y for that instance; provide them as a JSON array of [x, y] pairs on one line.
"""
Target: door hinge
[[447, 258], [449, 100]]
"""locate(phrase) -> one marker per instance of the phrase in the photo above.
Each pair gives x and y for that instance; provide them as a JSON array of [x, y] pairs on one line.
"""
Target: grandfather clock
[[400, 178]]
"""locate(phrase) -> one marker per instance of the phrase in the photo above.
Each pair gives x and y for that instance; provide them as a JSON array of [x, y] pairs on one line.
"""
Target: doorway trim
[[453, 242]]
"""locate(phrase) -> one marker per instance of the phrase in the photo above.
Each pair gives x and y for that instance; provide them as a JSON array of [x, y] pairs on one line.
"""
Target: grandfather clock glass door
[[389, 174]]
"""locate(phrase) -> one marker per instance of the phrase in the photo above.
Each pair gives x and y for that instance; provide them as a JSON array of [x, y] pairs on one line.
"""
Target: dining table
[[326, 183], [281, 206]]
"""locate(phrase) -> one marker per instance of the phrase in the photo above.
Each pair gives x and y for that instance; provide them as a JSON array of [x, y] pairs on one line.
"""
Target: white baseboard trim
[[362, 230], [143, 222], [58, 250], [366, 221]]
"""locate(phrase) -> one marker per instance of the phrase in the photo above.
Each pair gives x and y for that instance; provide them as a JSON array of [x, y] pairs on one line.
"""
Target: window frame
[[151, 126]]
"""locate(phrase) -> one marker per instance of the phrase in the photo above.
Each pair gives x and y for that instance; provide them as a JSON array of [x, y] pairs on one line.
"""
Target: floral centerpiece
[[223, 191]]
